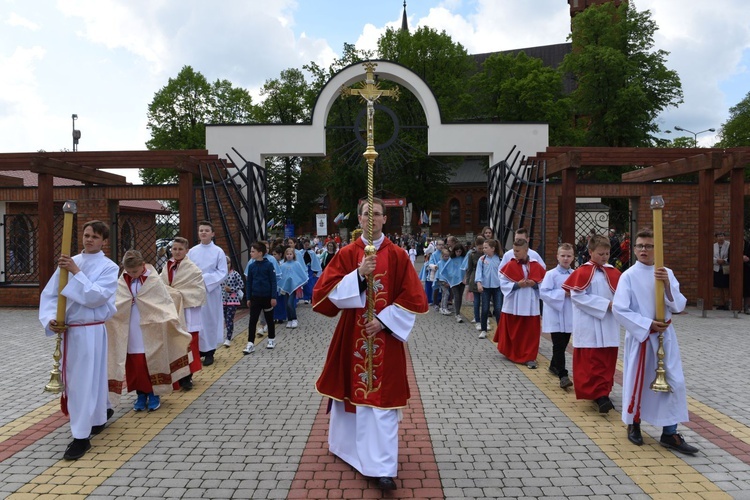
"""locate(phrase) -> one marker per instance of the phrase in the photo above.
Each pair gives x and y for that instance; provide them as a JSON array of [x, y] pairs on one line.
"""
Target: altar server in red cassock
[[517, 335], [596, 334], [365, 369]]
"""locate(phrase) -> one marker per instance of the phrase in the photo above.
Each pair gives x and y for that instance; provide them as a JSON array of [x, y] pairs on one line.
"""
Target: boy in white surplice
[[634, 307]]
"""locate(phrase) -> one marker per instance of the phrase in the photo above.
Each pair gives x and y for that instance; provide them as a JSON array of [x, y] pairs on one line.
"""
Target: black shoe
[[605, 404], [634, 434], [553, 370], [209, 359], [97, 429], [677, 443], [186, 383], [386, 483], [565, 382], [76, 449]]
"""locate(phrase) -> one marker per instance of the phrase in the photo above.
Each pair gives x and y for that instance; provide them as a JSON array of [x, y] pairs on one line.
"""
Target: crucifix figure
[[370, 92]]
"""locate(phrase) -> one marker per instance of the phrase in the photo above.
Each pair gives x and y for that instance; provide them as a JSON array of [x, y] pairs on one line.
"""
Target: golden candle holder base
[[660, 383], [55, 385]]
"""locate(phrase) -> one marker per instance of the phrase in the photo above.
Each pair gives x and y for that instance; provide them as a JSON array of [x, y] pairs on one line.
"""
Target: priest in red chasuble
[[366, 380]]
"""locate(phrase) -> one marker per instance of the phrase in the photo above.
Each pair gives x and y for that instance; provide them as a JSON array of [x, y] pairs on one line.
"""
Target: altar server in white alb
[[558, 317], [90, 295], [634, 307], [213, 264]]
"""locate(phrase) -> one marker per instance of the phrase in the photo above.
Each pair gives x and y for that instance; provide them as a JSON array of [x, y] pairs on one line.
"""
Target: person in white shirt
[[558, 317], [90, 295], [596, 334], [213, 264], [721, 259], [634, 307]]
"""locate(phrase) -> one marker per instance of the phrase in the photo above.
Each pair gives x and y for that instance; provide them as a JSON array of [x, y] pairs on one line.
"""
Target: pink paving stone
[[416, 458]]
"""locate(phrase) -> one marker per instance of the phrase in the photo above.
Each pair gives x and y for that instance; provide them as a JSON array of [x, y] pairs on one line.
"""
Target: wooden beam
[[736, 230], [555, 164], [674, 168], [740, 159], [108, 159], [46, 231], [42, 165], [705, 237], [8, 181], [569, 177], [187, 206]]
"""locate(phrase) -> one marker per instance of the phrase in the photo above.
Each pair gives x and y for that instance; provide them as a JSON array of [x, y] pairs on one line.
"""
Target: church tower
[[578, 6], [404, 21]]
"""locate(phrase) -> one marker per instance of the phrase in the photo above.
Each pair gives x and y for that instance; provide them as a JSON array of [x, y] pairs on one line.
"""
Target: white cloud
[[16, 20], [117, 24]]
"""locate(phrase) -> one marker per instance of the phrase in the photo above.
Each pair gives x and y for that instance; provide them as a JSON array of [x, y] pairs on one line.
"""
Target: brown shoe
[[677, 443]]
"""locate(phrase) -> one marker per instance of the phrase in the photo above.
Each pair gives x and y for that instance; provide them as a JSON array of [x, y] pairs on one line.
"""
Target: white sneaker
[[227, 343], [271, 344], [294, 323], [473, 321], [265, 328], [289, 324], [479, 326], [459, 319], [482, 335], [249, 349]]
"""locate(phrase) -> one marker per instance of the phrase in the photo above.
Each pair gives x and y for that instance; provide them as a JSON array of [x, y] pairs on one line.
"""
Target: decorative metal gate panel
[[517, 199], [151, 234]]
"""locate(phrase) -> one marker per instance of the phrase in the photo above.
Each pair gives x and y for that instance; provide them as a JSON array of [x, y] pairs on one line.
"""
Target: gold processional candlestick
[[660, 383], [369, 91], [55, 384]]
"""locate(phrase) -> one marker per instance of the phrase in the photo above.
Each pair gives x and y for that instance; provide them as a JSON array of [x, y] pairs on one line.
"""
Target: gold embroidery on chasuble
[[369, 351]]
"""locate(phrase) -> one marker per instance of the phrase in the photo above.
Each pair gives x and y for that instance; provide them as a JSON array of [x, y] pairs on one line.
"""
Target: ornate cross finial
[[370, 92]]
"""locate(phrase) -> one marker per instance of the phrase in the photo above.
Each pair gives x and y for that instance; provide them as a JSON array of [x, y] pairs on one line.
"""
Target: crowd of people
[[137, 329], [588, 304]]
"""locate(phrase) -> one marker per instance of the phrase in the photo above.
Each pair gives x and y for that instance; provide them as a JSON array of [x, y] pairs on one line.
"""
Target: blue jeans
[[477, 307], [291, 306], [496, 296]]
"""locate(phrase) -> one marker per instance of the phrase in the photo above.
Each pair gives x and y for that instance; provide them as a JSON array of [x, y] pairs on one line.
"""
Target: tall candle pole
[[660, 383], [55, 384]]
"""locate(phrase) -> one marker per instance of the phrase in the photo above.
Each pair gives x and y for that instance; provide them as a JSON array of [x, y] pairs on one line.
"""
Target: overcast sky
[[105, 59]]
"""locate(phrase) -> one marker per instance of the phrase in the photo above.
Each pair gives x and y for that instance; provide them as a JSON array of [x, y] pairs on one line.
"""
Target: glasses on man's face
[[641, 246], [376, 214]]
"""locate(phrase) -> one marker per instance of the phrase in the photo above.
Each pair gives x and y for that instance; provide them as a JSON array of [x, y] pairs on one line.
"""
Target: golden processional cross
[[370, 92]]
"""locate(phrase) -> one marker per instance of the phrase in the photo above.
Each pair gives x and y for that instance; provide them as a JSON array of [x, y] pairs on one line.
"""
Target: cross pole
[[370, 92]]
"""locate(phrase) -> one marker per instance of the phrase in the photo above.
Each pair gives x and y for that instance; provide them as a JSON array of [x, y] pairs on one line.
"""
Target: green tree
[[735, 132], [521, 88], [288, 100], [178, 114], [622, 84], [438, 60]]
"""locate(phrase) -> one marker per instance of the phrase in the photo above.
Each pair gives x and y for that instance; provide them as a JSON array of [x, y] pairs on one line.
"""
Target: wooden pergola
[[86, 167], [709, 164]]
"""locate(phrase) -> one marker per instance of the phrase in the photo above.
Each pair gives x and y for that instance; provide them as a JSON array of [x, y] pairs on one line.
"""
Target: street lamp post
[[76, 133], [695, 134]]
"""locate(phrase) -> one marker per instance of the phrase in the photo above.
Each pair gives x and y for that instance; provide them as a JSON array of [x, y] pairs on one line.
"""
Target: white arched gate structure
[[254, 142]]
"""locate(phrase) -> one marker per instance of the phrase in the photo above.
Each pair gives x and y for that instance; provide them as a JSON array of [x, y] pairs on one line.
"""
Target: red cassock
[[517, 337], [349, 374]]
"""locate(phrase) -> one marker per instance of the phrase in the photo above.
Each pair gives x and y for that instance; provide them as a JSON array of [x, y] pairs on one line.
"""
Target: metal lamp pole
[[695, 134]]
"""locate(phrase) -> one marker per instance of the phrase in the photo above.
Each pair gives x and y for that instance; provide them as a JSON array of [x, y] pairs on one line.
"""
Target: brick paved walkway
[[478, 426]]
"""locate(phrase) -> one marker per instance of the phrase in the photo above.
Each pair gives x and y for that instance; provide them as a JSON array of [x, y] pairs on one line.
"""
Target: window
[[20, 245], [455, 212], [484, 218]]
